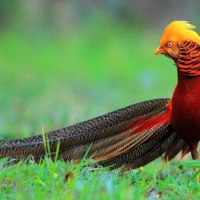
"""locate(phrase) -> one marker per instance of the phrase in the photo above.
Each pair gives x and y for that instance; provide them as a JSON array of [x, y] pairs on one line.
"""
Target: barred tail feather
[[132, 136]]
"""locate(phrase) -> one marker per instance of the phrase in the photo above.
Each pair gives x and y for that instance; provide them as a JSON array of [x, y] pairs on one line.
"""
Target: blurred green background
[[62, 62]]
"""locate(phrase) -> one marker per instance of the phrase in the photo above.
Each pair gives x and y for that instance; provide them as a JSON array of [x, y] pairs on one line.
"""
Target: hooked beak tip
[[159, 50]]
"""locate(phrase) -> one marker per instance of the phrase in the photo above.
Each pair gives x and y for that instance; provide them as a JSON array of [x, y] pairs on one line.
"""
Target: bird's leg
[[195, 156]]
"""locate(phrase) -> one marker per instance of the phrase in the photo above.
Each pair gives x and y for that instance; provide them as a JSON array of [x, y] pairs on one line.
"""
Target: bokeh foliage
[[61, 72]]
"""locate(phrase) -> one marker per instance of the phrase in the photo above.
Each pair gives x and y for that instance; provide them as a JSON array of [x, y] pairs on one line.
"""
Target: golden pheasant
[[138, 134]]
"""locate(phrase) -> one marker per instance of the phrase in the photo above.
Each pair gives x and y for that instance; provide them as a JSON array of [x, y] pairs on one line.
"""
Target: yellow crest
[[178, 31]]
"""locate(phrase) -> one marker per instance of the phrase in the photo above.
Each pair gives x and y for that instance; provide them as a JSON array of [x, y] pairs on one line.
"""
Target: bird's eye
[[169, 44]]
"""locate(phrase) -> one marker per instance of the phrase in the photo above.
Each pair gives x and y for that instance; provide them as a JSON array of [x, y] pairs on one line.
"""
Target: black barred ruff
[[188, 62]]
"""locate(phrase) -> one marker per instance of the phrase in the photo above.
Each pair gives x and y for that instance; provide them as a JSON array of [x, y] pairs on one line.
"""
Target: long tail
[[132, 136]]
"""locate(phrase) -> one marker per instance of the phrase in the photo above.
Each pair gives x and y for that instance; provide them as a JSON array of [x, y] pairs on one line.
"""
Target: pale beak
[[160, 50]]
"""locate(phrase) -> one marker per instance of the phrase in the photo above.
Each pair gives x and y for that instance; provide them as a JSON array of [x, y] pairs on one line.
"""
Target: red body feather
[[186, 109]]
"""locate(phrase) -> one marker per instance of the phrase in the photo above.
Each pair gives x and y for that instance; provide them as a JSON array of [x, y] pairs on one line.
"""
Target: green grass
[[55, 80], [47, 181]]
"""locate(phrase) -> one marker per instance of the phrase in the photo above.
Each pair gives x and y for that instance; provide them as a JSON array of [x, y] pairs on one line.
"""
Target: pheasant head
[[174, 34]]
